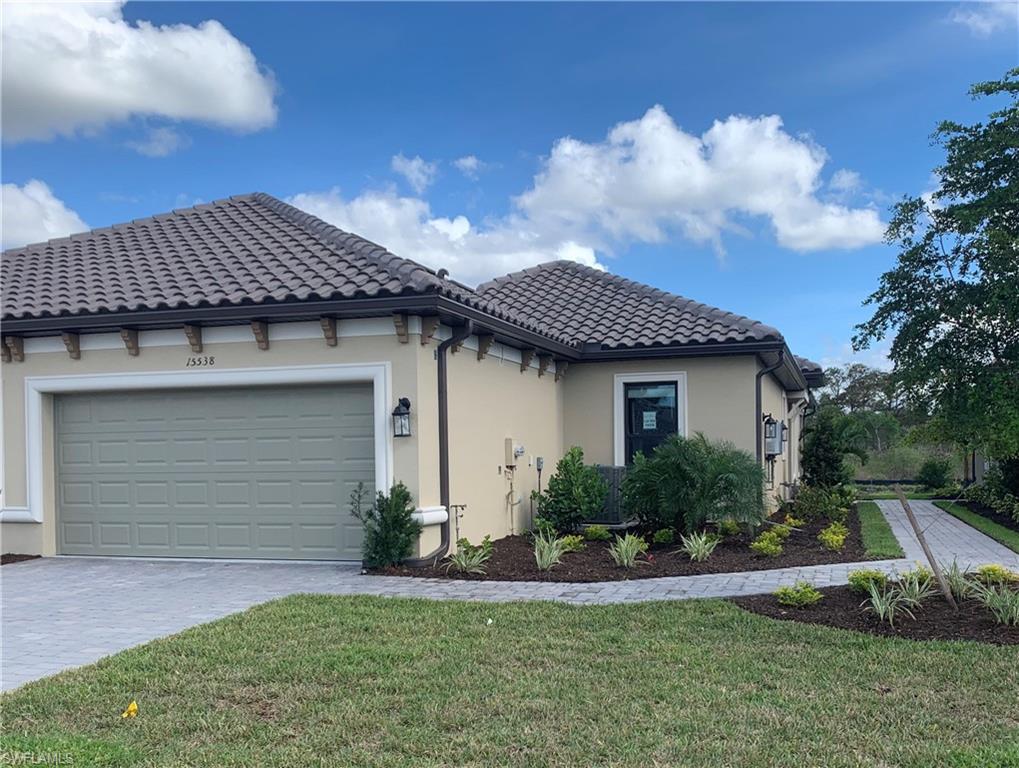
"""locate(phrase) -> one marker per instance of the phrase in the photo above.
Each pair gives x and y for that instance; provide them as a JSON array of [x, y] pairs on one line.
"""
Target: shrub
[[728, 528], [920, 572], [995, 574], [688, 482], [768, 544], [698, 546], [886, 603], [915, 587], [800, 595], [470, 558], [548, 551], [543, 526], [597, 533], [664, 536], [626, 549], [1002, 602], [860, 581], [816, 503], [934, 473], [958, 580], [834, 537], [794, 522], [782, 531], [390, 531], [572, 543], [575, 493], [829, 437]]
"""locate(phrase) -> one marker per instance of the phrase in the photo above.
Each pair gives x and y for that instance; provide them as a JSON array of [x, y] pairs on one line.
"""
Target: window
[[649, 408]]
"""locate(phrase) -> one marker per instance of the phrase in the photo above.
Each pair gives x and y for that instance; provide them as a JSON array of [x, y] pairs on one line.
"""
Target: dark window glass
[[652, 415]]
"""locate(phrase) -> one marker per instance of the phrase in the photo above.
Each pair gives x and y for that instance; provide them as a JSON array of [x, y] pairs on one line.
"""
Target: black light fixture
[[401, 418], [770, 427]]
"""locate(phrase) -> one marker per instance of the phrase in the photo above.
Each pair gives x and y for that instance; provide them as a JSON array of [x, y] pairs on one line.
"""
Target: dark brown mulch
[[935, 620], [10, 558], [1005, 521], [513, 559]]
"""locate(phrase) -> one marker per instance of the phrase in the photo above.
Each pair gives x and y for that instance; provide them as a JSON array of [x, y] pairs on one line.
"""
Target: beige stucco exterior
[[490, 400]]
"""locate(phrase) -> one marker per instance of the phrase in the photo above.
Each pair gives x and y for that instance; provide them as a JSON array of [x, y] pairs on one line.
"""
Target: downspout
[[433, 557], [757, 400]]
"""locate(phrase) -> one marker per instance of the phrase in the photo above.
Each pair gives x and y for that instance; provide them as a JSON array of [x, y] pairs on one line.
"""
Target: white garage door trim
[[379, 374]]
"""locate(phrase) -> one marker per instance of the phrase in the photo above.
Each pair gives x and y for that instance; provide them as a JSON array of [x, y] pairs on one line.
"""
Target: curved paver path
[[66, 611]]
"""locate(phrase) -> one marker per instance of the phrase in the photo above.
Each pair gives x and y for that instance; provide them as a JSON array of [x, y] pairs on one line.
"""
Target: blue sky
[[364, 113]]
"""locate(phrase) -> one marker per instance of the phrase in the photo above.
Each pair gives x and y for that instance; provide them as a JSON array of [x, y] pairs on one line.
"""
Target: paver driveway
[[66, 611]]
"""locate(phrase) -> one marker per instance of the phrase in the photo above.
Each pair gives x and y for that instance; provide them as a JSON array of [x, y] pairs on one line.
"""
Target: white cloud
[[837, 355], [649, 178], [32, 214], [418, 172], [983, 19], [160, 142], [469, 166], [845, 181], [76, 67], [406, 226]]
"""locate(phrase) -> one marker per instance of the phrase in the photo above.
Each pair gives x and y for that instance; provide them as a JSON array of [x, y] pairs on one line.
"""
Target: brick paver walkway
[[66, 612]]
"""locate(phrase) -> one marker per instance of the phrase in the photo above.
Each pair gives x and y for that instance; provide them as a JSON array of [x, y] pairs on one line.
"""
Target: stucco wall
[[380, 346], [720, 400], [490, 400]]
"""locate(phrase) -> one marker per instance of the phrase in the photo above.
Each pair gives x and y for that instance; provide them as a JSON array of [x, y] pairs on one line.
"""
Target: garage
[[253, 472]]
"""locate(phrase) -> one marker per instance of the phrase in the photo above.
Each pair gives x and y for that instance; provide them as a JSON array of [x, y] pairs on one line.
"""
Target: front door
[[651, 416]]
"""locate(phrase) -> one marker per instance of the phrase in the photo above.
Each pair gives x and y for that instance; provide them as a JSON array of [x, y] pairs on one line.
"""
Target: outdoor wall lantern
[[401, 418]]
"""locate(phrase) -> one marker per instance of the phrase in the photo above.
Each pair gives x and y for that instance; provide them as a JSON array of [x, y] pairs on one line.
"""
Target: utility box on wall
[[513, 453]]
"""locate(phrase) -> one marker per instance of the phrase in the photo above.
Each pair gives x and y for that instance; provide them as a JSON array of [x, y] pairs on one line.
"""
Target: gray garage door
[[254, 472]]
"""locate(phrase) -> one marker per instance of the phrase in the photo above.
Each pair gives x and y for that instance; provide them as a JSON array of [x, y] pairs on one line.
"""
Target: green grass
[[878, 539], [363, 681], [999, 533]]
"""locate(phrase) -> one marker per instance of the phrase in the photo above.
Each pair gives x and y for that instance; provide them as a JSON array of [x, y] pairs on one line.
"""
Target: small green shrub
[[572, 543], [390, 531], [920, 572], [800, 595], [958, 580], [1001, 601], [728, 528], [664, 536], [934, 473], [833, 537], [548, 551], [886, 603], [815, 503], [794, 522], [995, 574], [915, 587], [576, 492], [782, 531], [470, 558], [626, 549], [698, 546], [860, 581], [768, 544], [543, 527], [597, 533]]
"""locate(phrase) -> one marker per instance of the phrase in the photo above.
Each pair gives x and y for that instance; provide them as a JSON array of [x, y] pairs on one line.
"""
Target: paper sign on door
[[650, 420]]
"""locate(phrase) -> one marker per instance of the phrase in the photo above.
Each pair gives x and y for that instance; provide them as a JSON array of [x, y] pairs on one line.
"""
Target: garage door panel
[[259, 472]]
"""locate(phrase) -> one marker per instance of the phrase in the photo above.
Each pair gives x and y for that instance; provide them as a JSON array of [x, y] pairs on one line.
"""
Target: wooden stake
[[927, 550]]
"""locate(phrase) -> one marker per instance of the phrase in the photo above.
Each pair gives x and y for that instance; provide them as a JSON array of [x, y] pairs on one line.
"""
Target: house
[[215, 381]]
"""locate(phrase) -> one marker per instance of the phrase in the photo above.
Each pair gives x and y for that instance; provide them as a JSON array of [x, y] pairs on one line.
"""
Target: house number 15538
[[200, 362]]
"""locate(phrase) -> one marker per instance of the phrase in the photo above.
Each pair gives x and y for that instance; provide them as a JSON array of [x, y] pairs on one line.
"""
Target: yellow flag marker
[[131, 711]]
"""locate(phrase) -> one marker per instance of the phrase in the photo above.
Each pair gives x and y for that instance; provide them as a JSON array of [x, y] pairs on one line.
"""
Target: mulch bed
[[991, 514], [513, 559], [935, 620], [10, 558]]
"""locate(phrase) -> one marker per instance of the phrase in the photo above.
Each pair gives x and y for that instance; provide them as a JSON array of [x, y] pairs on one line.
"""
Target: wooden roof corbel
[[329, 330], [130, 337], [194, 334], [526, 356], [485, 342], [544, 362], [73, 344], [260, 329]]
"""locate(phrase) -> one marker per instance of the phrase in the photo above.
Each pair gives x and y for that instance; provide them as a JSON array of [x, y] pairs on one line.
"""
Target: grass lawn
[[339, 681], [997, 532], [878, 539]]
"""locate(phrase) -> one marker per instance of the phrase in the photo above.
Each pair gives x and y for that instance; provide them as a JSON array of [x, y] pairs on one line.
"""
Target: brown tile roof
[[248, 249], [590, 306]]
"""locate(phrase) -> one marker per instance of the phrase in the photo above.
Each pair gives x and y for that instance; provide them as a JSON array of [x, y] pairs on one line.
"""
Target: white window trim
[[619, 406], [378, 374]]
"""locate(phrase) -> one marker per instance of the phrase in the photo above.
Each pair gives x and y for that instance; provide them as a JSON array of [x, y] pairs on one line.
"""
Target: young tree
[[829, 438], [952, 300]]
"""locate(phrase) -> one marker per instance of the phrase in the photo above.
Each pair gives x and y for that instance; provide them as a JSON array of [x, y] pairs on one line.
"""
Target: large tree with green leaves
[[952, 300]]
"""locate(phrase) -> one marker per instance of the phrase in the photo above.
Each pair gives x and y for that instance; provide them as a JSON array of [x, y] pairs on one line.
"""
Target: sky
[[741, 154]]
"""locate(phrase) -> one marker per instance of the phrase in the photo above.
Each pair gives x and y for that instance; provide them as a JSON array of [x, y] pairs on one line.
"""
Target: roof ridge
[[649, 291], [330, 234]]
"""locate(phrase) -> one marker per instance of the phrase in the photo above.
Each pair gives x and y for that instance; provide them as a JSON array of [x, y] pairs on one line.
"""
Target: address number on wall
[[200, 362]]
